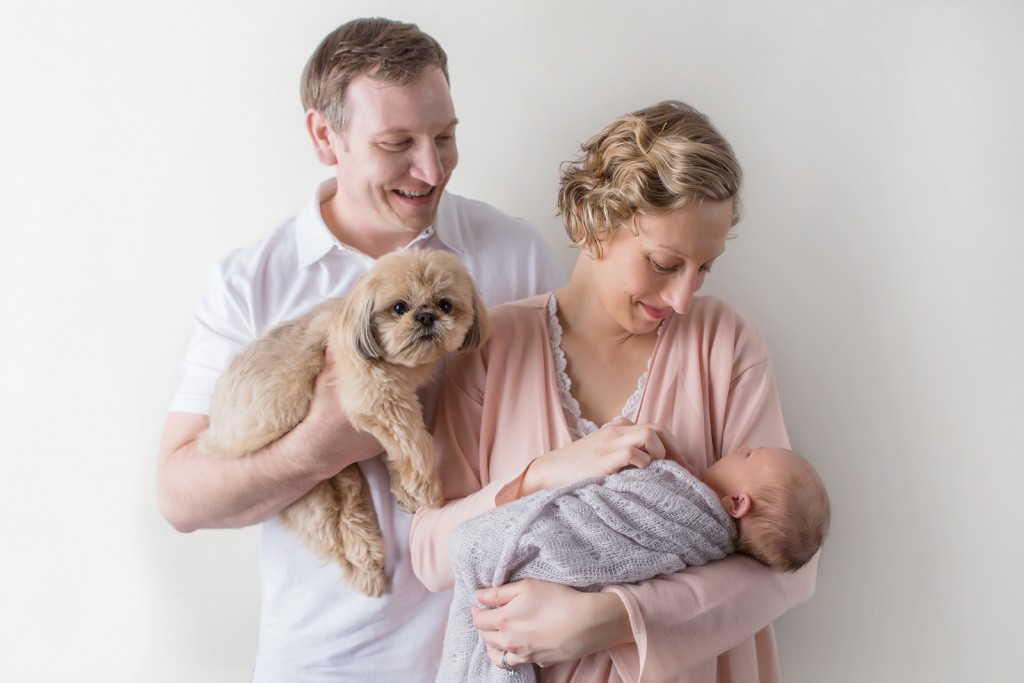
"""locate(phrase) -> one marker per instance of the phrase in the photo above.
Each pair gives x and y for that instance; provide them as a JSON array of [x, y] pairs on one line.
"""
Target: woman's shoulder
[[717, 322], [711, 306], [514, 324], [711, 311], [516, 327], [514, 315]]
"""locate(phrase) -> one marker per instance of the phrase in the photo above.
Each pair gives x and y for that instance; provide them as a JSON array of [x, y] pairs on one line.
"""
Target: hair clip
[[656, 137]]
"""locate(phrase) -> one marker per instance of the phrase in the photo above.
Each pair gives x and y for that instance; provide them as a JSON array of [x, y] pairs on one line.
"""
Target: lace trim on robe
[[580, 426]]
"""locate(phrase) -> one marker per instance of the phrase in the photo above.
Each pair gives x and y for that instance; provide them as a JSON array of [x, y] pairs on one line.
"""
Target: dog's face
[[417, 306]]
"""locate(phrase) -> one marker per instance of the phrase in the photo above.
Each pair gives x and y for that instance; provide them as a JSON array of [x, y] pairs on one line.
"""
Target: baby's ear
[[738, 506]]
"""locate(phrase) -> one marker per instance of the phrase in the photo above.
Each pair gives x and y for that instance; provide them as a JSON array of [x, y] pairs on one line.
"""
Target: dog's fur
[[408, 311]]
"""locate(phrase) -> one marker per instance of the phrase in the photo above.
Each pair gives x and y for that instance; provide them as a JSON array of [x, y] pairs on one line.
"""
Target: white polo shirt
[[313, 628]]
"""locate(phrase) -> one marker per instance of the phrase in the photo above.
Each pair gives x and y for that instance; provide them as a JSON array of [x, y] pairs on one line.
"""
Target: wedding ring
[[504, 662]]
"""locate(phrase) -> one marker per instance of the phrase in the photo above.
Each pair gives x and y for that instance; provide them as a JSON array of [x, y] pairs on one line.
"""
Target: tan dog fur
[[381, 356]]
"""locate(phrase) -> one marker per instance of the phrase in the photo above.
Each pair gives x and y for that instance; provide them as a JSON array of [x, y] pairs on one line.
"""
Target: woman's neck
[[603, 359], [584, 317]]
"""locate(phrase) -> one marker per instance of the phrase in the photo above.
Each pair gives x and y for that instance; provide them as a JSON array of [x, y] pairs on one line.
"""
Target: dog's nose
[[425, 318]]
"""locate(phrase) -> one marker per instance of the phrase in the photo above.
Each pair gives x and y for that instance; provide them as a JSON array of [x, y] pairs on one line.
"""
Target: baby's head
[[778, 501]]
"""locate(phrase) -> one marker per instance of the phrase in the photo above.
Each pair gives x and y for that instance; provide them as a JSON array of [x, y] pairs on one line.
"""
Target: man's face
[[395, 155]]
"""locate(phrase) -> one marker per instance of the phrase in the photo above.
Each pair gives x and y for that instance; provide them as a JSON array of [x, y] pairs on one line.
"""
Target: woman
[[625, 344]]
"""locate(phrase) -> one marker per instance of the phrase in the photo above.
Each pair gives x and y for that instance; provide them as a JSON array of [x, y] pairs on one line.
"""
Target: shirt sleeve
[[682, 620], [224, 326], [462, 465]]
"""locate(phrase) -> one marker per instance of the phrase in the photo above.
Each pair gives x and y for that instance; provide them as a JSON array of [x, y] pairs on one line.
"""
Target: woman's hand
[[547, 623], [620, 443]]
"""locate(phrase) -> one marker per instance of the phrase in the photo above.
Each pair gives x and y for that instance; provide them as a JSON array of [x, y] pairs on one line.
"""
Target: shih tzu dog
[[408, 311]]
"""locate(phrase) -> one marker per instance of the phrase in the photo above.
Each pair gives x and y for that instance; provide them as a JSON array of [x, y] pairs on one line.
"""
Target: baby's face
[[737, 471]]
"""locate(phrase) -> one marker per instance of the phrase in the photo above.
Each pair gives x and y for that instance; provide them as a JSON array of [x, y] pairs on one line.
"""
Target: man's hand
[[331, 441], [196, 490]]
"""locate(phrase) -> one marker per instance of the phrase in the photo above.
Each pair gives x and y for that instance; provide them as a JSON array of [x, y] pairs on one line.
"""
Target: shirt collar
[[446, 224], [314, 239]]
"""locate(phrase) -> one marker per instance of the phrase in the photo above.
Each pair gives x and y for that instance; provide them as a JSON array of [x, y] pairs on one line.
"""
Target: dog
[[408, 311]]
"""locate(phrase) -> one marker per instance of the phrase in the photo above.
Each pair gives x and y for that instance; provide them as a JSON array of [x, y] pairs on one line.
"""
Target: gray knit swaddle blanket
[[626, 527]]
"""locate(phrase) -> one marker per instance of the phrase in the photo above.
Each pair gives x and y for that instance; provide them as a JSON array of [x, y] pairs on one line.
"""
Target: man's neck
[[372, 242]]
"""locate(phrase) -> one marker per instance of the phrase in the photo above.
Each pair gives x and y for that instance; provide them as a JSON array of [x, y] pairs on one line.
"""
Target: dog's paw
[[369, 582], [362, 564], [427, 494], [406, 501], [433, 496]]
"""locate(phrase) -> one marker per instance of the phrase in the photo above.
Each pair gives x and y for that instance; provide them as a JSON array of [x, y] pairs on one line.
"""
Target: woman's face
[[642, 279]]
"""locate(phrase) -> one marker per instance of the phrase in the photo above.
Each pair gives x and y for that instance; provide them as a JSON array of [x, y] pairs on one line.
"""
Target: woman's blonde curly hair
[[652, 161]]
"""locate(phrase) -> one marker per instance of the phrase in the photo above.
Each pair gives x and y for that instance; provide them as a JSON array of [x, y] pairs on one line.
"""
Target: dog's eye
[[445, 305], [400, 308]]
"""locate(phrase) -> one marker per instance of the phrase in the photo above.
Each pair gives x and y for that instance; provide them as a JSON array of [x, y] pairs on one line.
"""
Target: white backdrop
[[879, 255]]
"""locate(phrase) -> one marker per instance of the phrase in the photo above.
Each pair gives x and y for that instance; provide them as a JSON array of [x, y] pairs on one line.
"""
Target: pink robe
[[711, 384]]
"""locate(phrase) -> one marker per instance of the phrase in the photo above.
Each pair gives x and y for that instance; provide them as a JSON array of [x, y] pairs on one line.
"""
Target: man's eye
[[400, 308], [445, 305], [395, 145]]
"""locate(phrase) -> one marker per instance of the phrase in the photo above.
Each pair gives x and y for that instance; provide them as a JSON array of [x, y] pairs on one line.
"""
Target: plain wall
[[879, 254]]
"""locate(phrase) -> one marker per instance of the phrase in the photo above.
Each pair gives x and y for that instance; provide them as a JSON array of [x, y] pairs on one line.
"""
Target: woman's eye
[[400, 308], [445, 305], [658, 267]]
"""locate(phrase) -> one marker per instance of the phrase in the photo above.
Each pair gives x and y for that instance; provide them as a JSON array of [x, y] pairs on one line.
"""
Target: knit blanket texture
[[626, 527]]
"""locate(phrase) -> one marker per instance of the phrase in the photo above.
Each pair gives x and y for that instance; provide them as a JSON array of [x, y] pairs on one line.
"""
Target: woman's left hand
[[547, 623]]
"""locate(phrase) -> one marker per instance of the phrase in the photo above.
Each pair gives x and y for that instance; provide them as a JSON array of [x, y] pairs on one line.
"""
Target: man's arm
[[196, 490]]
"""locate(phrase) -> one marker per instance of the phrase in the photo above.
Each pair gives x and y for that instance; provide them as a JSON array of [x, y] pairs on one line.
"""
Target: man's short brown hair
[[384, 49]]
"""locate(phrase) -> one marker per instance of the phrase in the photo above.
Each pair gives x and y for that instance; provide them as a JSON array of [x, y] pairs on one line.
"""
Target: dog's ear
[[365, 340], [480, 330]]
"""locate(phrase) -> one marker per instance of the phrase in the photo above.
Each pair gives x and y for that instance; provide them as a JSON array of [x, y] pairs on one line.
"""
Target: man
[[379, 110]]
